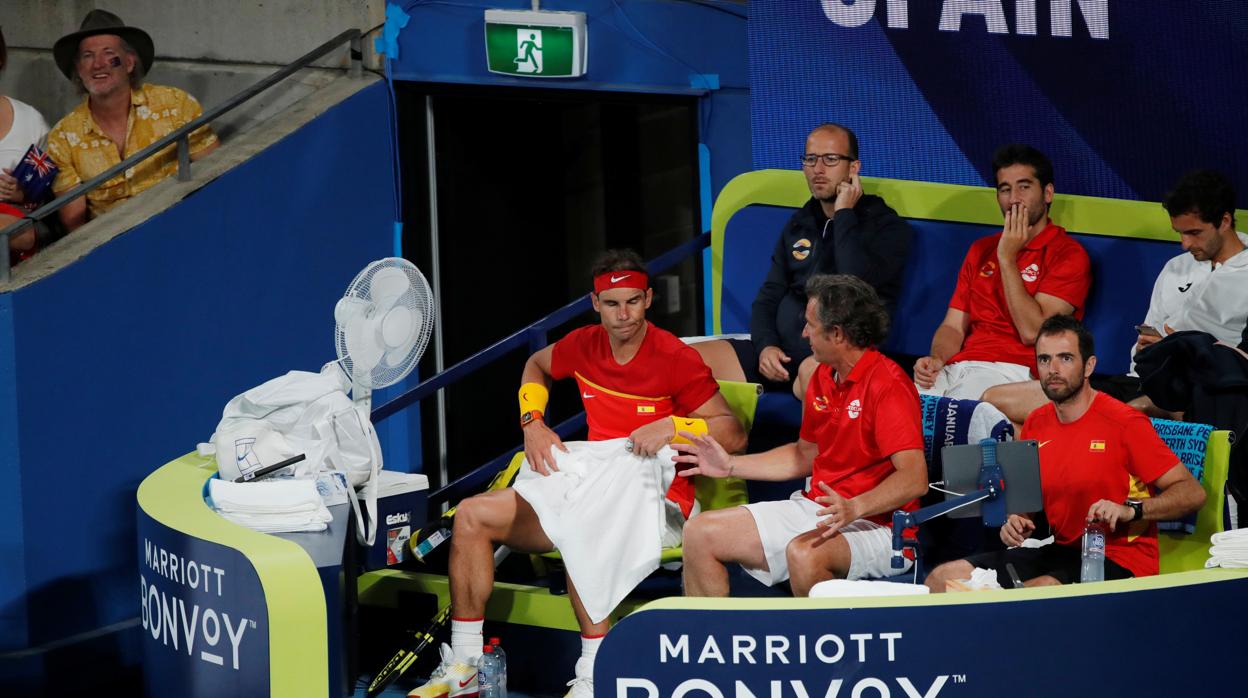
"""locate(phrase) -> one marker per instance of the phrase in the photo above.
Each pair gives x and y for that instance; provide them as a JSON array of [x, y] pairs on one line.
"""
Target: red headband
[[621, 279]]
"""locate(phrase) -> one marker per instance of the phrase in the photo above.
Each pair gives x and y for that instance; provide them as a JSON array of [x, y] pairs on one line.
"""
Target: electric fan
[[382, 325]]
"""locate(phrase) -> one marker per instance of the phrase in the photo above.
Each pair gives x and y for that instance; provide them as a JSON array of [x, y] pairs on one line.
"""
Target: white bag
[[308, 413]]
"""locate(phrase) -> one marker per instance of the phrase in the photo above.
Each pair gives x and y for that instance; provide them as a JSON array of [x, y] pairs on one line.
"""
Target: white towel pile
[[271, 506], [1229, 549]]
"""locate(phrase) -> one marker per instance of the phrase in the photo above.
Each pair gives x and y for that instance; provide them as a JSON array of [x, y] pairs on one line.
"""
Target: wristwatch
[[1137, 507], [528, 417]]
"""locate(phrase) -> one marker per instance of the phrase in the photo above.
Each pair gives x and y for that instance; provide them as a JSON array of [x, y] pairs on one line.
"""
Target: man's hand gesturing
[[705, 454]]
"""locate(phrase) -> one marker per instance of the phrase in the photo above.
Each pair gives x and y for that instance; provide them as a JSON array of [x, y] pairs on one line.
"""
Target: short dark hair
[[617, 260], [849, 134], [1206, 193], [1020, 154], [1058, 324], [850, 303]]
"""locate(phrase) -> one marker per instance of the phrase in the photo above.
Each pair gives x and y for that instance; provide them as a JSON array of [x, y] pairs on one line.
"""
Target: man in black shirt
[[839, 231]]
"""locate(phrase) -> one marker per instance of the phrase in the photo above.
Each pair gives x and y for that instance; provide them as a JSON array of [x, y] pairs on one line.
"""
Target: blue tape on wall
[[388, 42]]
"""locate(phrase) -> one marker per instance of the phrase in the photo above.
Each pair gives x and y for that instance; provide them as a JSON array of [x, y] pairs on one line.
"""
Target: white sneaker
[[452, 679], [581, 687]]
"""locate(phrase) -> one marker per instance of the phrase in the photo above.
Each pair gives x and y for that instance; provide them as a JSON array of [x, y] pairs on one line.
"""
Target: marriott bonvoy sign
[[786, 665], [1023, 643], [203, 616], [182, 621]]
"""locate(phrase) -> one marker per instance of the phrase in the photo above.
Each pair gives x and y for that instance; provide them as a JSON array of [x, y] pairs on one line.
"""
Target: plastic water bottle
[[1093, 568], [502, 666], [488, 674]]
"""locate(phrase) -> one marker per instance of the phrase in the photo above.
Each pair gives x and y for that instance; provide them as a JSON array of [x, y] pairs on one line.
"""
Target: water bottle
[[502, 666], [1093, 568], [487, 674]]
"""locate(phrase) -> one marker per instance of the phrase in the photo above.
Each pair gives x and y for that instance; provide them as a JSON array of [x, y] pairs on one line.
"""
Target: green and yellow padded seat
[[711, 493], [1183, 552]]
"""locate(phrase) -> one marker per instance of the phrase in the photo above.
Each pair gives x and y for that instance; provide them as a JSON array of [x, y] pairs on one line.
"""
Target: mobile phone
[[1147, 330]]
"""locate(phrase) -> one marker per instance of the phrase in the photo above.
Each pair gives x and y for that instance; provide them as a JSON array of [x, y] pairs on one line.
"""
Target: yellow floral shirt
[[81, 149]]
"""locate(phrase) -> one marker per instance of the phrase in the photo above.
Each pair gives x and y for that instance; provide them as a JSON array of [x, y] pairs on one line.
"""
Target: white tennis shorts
[[967, 380], [870, 544]]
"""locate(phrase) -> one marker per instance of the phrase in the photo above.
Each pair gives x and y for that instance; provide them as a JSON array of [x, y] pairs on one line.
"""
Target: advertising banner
[[1123, 96], [1147, 641], [204, 620]]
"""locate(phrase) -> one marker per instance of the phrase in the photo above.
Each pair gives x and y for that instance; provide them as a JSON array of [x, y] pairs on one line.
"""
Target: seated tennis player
[[636, 381]]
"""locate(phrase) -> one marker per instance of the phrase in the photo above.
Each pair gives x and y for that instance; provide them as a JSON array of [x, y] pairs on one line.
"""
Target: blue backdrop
[[1123, 96]]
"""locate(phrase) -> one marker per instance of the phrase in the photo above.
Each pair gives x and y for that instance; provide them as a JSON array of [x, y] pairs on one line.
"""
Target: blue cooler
[[401, 507]]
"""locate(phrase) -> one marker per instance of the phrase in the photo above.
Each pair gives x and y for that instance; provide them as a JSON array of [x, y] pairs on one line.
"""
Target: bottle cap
[[488, 649], [494, 641]]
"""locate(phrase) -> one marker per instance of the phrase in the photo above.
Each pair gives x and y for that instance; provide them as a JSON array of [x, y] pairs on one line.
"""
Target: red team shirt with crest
[[665, 378], [1052, 263], [1111, 452], [858, 425]]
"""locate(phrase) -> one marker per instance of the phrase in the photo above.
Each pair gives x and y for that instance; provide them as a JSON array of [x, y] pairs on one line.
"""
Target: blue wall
[[1123, 101], [123, 360], [639, 46]]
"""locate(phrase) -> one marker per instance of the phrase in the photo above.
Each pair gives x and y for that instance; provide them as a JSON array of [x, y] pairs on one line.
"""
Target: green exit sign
[[535, 44]]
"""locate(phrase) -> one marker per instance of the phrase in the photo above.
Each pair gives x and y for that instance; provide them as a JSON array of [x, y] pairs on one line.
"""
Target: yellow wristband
[[533, 396], [693, 425]]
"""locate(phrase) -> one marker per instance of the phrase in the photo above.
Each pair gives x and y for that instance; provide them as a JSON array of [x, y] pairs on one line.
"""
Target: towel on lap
[[606, 512]]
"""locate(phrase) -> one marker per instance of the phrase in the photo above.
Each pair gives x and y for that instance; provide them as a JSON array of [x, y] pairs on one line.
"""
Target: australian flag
[[35, 172]]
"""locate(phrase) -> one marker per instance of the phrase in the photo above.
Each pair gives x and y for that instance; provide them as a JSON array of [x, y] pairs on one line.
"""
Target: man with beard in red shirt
[[1100, 460]]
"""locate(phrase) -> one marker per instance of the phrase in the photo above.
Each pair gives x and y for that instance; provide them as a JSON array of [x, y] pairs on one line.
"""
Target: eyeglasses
[[829, 159]]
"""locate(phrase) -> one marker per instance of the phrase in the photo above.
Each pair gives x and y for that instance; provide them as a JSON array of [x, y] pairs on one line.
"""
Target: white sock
[[467, 639], [589, 650]]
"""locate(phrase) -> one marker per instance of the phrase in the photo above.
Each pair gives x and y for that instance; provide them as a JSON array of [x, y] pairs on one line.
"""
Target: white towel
[[844, 588], [605, 511], [1229, 549], [273, 506], [285, 523]]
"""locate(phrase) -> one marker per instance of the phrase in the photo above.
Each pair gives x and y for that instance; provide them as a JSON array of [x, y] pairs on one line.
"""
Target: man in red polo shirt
[[861, 443], [636, 381], [1009, 283], [1099, 460]]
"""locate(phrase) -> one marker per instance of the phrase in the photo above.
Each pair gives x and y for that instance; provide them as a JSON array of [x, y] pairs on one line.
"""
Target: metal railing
[[182, 137], [535, 337]]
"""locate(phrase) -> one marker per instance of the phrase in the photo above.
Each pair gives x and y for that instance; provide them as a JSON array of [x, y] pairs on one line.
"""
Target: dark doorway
[[532, 184]]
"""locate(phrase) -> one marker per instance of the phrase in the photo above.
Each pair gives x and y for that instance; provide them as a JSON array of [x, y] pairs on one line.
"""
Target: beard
[[1062, 391], [1037, 215]]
